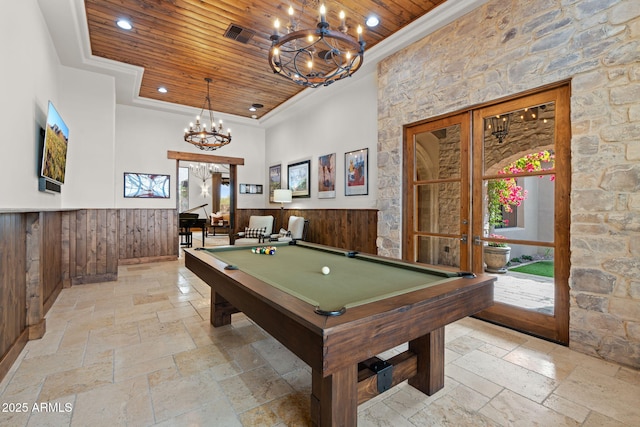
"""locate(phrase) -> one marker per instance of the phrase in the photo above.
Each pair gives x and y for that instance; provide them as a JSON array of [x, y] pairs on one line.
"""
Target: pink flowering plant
[[497, 244], [506, 193]]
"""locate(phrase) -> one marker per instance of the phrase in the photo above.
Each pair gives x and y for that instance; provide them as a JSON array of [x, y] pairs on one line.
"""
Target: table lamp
[[282, 196]]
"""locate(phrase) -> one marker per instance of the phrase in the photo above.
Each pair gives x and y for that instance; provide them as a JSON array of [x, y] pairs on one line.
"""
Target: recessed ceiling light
[[372, 21], [252, 108], [162, 89], [124, 24]]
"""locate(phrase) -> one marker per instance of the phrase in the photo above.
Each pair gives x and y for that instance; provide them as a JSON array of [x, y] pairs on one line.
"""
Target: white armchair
[[296, 230], [257, 232]]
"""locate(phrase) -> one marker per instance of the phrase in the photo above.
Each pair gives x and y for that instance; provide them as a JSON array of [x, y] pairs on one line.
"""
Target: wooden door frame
[[233, 163]]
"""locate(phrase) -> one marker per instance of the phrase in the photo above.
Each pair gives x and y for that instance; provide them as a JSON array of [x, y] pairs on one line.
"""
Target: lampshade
[[282, 196]]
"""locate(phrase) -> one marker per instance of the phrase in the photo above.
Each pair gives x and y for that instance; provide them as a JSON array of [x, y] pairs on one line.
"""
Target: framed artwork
[[250, 189], [275, 180], [327, 176], [298, 178], [356, 165], [146, 185]]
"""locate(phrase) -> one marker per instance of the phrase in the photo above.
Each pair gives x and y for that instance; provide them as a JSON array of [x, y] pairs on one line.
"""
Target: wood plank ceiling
[[181, 42]]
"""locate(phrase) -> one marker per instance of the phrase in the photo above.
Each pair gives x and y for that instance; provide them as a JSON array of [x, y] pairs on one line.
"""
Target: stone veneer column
[[503, 48]]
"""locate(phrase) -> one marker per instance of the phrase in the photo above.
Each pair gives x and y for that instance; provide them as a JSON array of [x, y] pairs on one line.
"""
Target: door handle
[[464, 239], [477, 241]]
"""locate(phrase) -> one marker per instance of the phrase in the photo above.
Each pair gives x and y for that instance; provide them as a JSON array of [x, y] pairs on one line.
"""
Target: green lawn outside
[[538, 268]]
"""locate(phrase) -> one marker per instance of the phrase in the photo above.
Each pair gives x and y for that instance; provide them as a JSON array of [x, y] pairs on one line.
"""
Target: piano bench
[[186, 238]]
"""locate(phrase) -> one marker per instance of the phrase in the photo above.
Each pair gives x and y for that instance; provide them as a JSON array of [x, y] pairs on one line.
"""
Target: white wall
[[88, 107], [29, 77], [144, 136], [108, 139], [334, 119], [32, 75]]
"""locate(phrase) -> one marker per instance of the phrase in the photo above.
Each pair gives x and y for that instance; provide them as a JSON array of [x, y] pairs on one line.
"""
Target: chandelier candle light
[[203, 138], [315, 57]]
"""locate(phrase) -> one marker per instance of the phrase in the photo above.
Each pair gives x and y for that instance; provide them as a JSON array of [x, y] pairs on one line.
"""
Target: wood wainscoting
[[147, 235], [90, 246], [352, 229], [57, 249], [13, 289]]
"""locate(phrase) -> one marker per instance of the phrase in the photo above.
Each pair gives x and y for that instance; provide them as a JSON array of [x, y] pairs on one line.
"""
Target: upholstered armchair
[[296, 230], [258, 231]]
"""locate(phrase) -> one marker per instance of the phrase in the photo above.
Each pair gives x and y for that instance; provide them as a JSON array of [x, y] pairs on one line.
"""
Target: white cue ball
[[326, 270]]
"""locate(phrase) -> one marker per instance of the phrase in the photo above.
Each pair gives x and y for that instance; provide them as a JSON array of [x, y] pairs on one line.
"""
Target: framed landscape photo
[[298, 178], [275, 180], [327, 176], [146, 185], [356, 165]]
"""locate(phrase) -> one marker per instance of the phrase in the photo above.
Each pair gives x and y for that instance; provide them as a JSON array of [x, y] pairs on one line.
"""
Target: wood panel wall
[[147, 235], [13, 289], [50, 257], [91, 241], [101, 239], [353, 229]]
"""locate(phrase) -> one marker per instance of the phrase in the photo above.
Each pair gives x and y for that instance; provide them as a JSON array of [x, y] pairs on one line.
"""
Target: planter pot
[[496, 258]]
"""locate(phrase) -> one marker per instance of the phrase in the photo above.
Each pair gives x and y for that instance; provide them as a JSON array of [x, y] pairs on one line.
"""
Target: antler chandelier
[[315, 57], [207, 139]]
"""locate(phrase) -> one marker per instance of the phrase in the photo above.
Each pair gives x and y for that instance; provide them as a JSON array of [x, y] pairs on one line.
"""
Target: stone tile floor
[[140, 351], [525, 290]]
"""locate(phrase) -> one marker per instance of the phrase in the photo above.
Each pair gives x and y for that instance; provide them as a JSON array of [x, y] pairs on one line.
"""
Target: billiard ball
[[326, 270]]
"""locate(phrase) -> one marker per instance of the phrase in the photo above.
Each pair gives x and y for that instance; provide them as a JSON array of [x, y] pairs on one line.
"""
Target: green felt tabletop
[[352, 281]]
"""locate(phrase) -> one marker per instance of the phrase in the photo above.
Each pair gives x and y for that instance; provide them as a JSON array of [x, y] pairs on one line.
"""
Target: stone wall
[[507, 47]]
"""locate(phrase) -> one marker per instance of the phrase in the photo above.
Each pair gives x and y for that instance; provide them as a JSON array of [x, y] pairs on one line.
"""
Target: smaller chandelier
[[204, 138], [500, 127], [203, 170], [315, 57]]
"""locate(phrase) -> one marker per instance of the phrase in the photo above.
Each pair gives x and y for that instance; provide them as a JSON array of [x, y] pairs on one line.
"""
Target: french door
[[493, 184], [437, 201]]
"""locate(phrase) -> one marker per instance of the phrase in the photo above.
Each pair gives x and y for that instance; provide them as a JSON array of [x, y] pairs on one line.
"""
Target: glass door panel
[[438, 251], [520, 208], [438, 154], [438, 208]]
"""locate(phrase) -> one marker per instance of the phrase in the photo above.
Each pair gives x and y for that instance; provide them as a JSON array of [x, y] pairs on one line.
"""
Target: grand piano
[[187, 221]]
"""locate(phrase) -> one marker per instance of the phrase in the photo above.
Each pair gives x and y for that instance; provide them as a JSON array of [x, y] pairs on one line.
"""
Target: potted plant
[[497, 255]]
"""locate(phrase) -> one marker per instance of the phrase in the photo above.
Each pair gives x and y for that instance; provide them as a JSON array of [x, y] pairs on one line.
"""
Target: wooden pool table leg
[[221, 310], [430, 351], [334, 399]]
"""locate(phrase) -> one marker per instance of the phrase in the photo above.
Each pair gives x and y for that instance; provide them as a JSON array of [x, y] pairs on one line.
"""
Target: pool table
[[338, 322]]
